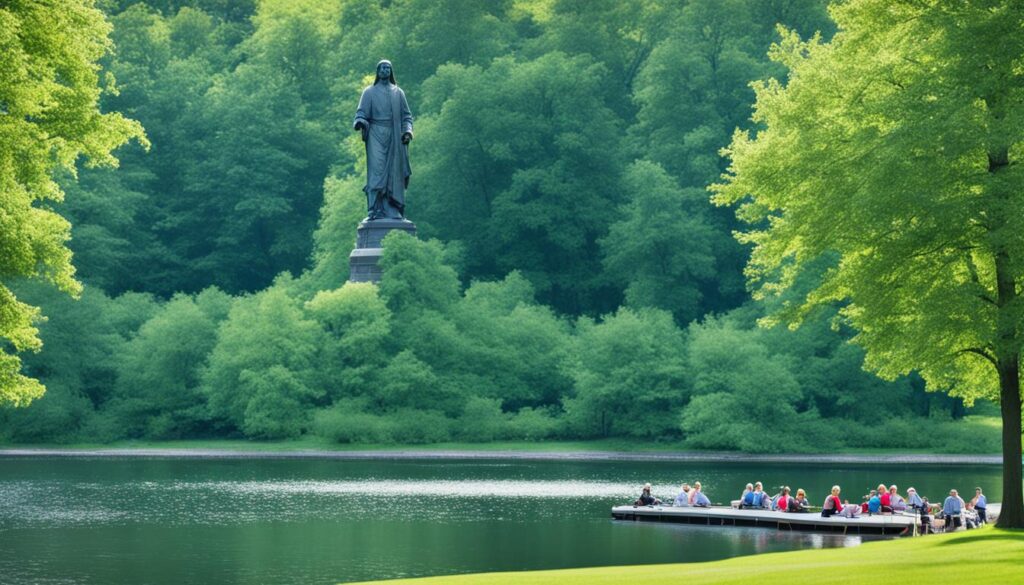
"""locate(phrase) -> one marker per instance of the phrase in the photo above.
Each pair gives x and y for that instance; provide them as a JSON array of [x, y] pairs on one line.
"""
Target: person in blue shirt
[[874, 503], [701, 500], [951, 509], [980, 503], [683, 499], [756, 499], [914, 500]]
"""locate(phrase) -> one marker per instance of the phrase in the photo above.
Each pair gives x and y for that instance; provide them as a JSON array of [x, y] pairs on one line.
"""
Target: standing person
[[833, 505], [384, 119], [980, 503], [683, 499], [952, 508]]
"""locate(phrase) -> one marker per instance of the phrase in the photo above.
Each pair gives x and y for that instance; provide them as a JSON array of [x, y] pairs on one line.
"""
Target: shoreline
[[462, 454]]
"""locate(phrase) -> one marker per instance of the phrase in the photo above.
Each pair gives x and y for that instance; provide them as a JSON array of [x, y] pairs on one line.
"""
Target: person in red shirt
[[782, 504], [883, 494], [832, 503]]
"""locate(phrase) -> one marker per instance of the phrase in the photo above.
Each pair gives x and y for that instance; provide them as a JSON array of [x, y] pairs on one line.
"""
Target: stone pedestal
[[363, 262]]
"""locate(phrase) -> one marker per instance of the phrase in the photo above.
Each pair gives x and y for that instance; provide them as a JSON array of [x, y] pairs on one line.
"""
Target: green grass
[[986, 556]]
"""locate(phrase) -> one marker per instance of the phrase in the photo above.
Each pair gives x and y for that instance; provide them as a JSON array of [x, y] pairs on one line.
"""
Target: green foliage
[[157, 390], [532, 188], [346, 422], [560, 163], [663, 246], [629, 375], [896, 148], [742, 396], [265, 358], [49, 117], [416, 277], [482, 420], [343, 207]]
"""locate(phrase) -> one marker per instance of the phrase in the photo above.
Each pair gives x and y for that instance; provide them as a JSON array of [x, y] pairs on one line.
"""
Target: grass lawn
[[988, 556]]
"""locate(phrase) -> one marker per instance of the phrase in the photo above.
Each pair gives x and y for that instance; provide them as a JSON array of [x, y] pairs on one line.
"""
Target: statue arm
[[406, 118], [362, 120]]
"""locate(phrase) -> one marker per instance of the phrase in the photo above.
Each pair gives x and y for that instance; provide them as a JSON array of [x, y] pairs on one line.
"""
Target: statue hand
[[406, 138], [363, 130]]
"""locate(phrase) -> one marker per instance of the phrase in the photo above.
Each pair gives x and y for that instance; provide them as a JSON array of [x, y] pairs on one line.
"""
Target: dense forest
[[571, 279]]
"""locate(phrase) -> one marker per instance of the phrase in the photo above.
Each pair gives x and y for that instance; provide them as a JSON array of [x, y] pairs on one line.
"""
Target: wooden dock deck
[[722, 516]]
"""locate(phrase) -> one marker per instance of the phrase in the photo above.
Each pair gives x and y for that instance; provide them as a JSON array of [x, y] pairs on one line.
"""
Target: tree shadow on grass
[[1014, 535]]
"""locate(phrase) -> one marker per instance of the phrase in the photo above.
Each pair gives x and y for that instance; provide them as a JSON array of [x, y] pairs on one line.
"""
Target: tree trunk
[[1008, 365], [1012, 513]]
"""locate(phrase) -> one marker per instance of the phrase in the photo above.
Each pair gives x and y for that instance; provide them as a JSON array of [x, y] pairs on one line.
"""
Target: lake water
[[162, 521]]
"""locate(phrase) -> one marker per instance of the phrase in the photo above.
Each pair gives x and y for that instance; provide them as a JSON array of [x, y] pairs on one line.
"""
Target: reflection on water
[[162, 521]]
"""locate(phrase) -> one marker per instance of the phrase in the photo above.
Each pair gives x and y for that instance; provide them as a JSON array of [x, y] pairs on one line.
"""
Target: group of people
[[954, 511], [688, 496], [755, 498], [883, 500]]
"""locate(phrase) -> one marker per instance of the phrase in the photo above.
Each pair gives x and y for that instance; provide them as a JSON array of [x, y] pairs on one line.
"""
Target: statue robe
[[384, 110]]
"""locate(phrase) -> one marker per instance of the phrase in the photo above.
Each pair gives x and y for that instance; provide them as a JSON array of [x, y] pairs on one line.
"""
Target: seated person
[[746, 490], [683, 499], [874, 503], [896, 500], [926, 519], [782, 503], [885, 498], [970, 516], [700, 500], [646, 499], [756, 499], [799, 503], [850, 510], [913, 500], [832, 504], [693, 493]]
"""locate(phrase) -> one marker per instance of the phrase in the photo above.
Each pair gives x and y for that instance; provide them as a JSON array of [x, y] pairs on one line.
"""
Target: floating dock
[[895, 525]]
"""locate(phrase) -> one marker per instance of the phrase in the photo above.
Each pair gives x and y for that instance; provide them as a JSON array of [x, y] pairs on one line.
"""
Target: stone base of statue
[[364, 261]]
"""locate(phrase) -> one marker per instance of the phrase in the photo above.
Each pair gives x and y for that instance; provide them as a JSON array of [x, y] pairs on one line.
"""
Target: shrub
[[346, 423], [420, 426]]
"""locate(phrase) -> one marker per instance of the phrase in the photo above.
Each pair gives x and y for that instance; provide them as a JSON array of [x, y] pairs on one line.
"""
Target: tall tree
[[522, 163], [49, 117], [898, 147]]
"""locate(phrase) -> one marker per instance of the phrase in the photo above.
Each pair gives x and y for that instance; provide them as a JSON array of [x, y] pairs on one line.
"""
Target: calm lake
[[156, 521]]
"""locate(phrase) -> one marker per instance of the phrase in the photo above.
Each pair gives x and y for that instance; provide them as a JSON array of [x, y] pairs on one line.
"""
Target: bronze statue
[[385, 121]]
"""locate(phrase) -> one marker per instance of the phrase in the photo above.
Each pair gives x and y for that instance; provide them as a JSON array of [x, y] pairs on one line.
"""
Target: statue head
[[384, 72]]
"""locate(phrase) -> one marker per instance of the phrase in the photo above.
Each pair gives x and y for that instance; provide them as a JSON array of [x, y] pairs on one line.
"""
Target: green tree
[[630, 375], [357, 322], [522, 162], [49, 117], [897, 147], [662, 249], [744, 398], [265, 358], [157, 388]]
